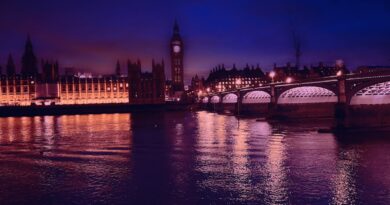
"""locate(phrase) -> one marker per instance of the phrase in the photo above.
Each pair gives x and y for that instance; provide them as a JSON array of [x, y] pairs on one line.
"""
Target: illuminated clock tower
[[177, 59]]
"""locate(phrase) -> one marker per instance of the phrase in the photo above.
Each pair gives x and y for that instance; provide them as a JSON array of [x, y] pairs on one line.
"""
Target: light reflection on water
[[187, 158]]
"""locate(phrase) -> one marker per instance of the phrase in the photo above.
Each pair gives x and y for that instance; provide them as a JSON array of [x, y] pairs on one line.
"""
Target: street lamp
[[339, 73], [219, 87], [208, 90], [272, 74], [238, 82], [289, 80]]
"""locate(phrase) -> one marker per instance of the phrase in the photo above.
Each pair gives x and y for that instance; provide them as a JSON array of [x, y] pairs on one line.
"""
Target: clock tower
[[177, 59]]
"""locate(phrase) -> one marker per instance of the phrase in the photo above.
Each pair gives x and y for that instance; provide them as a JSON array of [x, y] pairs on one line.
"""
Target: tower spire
[[29, 60], [10, 66], [118, 68]]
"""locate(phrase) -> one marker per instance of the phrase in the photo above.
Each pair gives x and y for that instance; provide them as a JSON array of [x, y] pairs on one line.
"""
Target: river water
[[187, 158]]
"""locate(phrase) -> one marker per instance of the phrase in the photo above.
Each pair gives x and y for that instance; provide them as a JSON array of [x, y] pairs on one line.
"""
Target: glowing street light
[[208, 90], [339, 73], [289, 80], [219, 87], [238, 81], [272, 74]]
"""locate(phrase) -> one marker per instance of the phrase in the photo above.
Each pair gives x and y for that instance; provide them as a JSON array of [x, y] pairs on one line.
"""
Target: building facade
[[34, 88], [146, 87], [97, 90], [17, 90], [223, 79], [48, 89]]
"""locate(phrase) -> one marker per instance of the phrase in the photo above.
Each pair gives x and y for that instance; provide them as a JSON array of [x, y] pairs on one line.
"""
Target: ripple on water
[[197, 158]]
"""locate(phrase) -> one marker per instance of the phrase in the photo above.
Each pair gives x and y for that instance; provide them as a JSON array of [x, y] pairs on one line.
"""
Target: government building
[[34, 88]]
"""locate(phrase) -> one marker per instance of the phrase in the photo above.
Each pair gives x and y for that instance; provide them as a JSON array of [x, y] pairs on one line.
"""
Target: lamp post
[[219, 87], [289, 80], [199, 94], [272, 74], [238, 84]]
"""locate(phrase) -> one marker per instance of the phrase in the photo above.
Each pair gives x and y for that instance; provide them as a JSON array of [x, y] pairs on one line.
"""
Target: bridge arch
[[205, 100], [215, 99], [256, 97], [307, 94], [375, 94], [230, 98]]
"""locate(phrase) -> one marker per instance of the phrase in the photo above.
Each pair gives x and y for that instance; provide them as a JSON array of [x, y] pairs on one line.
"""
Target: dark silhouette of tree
[[29, 60], [10, 66]]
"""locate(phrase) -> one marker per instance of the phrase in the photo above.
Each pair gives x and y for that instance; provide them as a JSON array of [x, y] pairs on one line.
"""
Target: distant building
[[197, 84], [372, 69], [322, 70], [222, 79], [282, 72], [146, 87]]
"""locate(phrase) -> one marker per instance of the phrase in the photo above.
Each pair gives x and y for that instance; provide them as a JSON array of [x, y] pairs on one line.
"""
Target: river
[[188, 158]]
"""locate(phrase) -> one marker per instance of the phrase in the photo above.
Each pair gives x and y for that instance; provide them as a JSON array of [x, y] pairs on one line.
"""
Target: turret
[[10, 66], [118, 69], [29, 60]]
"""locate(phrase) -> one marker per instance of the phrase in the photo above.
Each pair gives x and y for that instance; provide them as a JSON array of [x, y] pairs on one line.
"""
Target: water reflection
[[234, 159], [344, 181], [276, 182], [186, 158]]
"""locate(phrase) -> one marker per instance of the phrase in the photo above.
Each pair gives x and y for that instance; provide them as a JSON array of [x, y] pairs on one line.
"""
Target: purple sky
[[94, 34]]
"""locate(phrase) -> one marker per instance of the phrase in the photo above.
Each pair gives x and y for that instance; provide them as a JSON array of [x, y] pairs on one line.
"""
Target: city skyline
[[355, 32], [194, 102]]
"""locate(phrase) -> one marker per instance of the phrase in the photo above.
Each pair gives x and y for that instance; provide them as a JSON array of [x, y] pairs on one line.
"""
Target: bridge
[[353, 99]]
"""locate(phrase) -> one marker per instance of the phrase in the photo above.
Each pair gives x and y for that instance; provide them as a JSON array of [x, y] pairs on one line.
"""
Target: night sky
[[94, 35]]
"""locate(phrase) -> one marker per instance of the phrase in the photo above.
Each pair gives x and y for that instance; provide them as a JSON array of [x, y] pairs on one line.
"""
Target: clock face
[[176, 49]]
